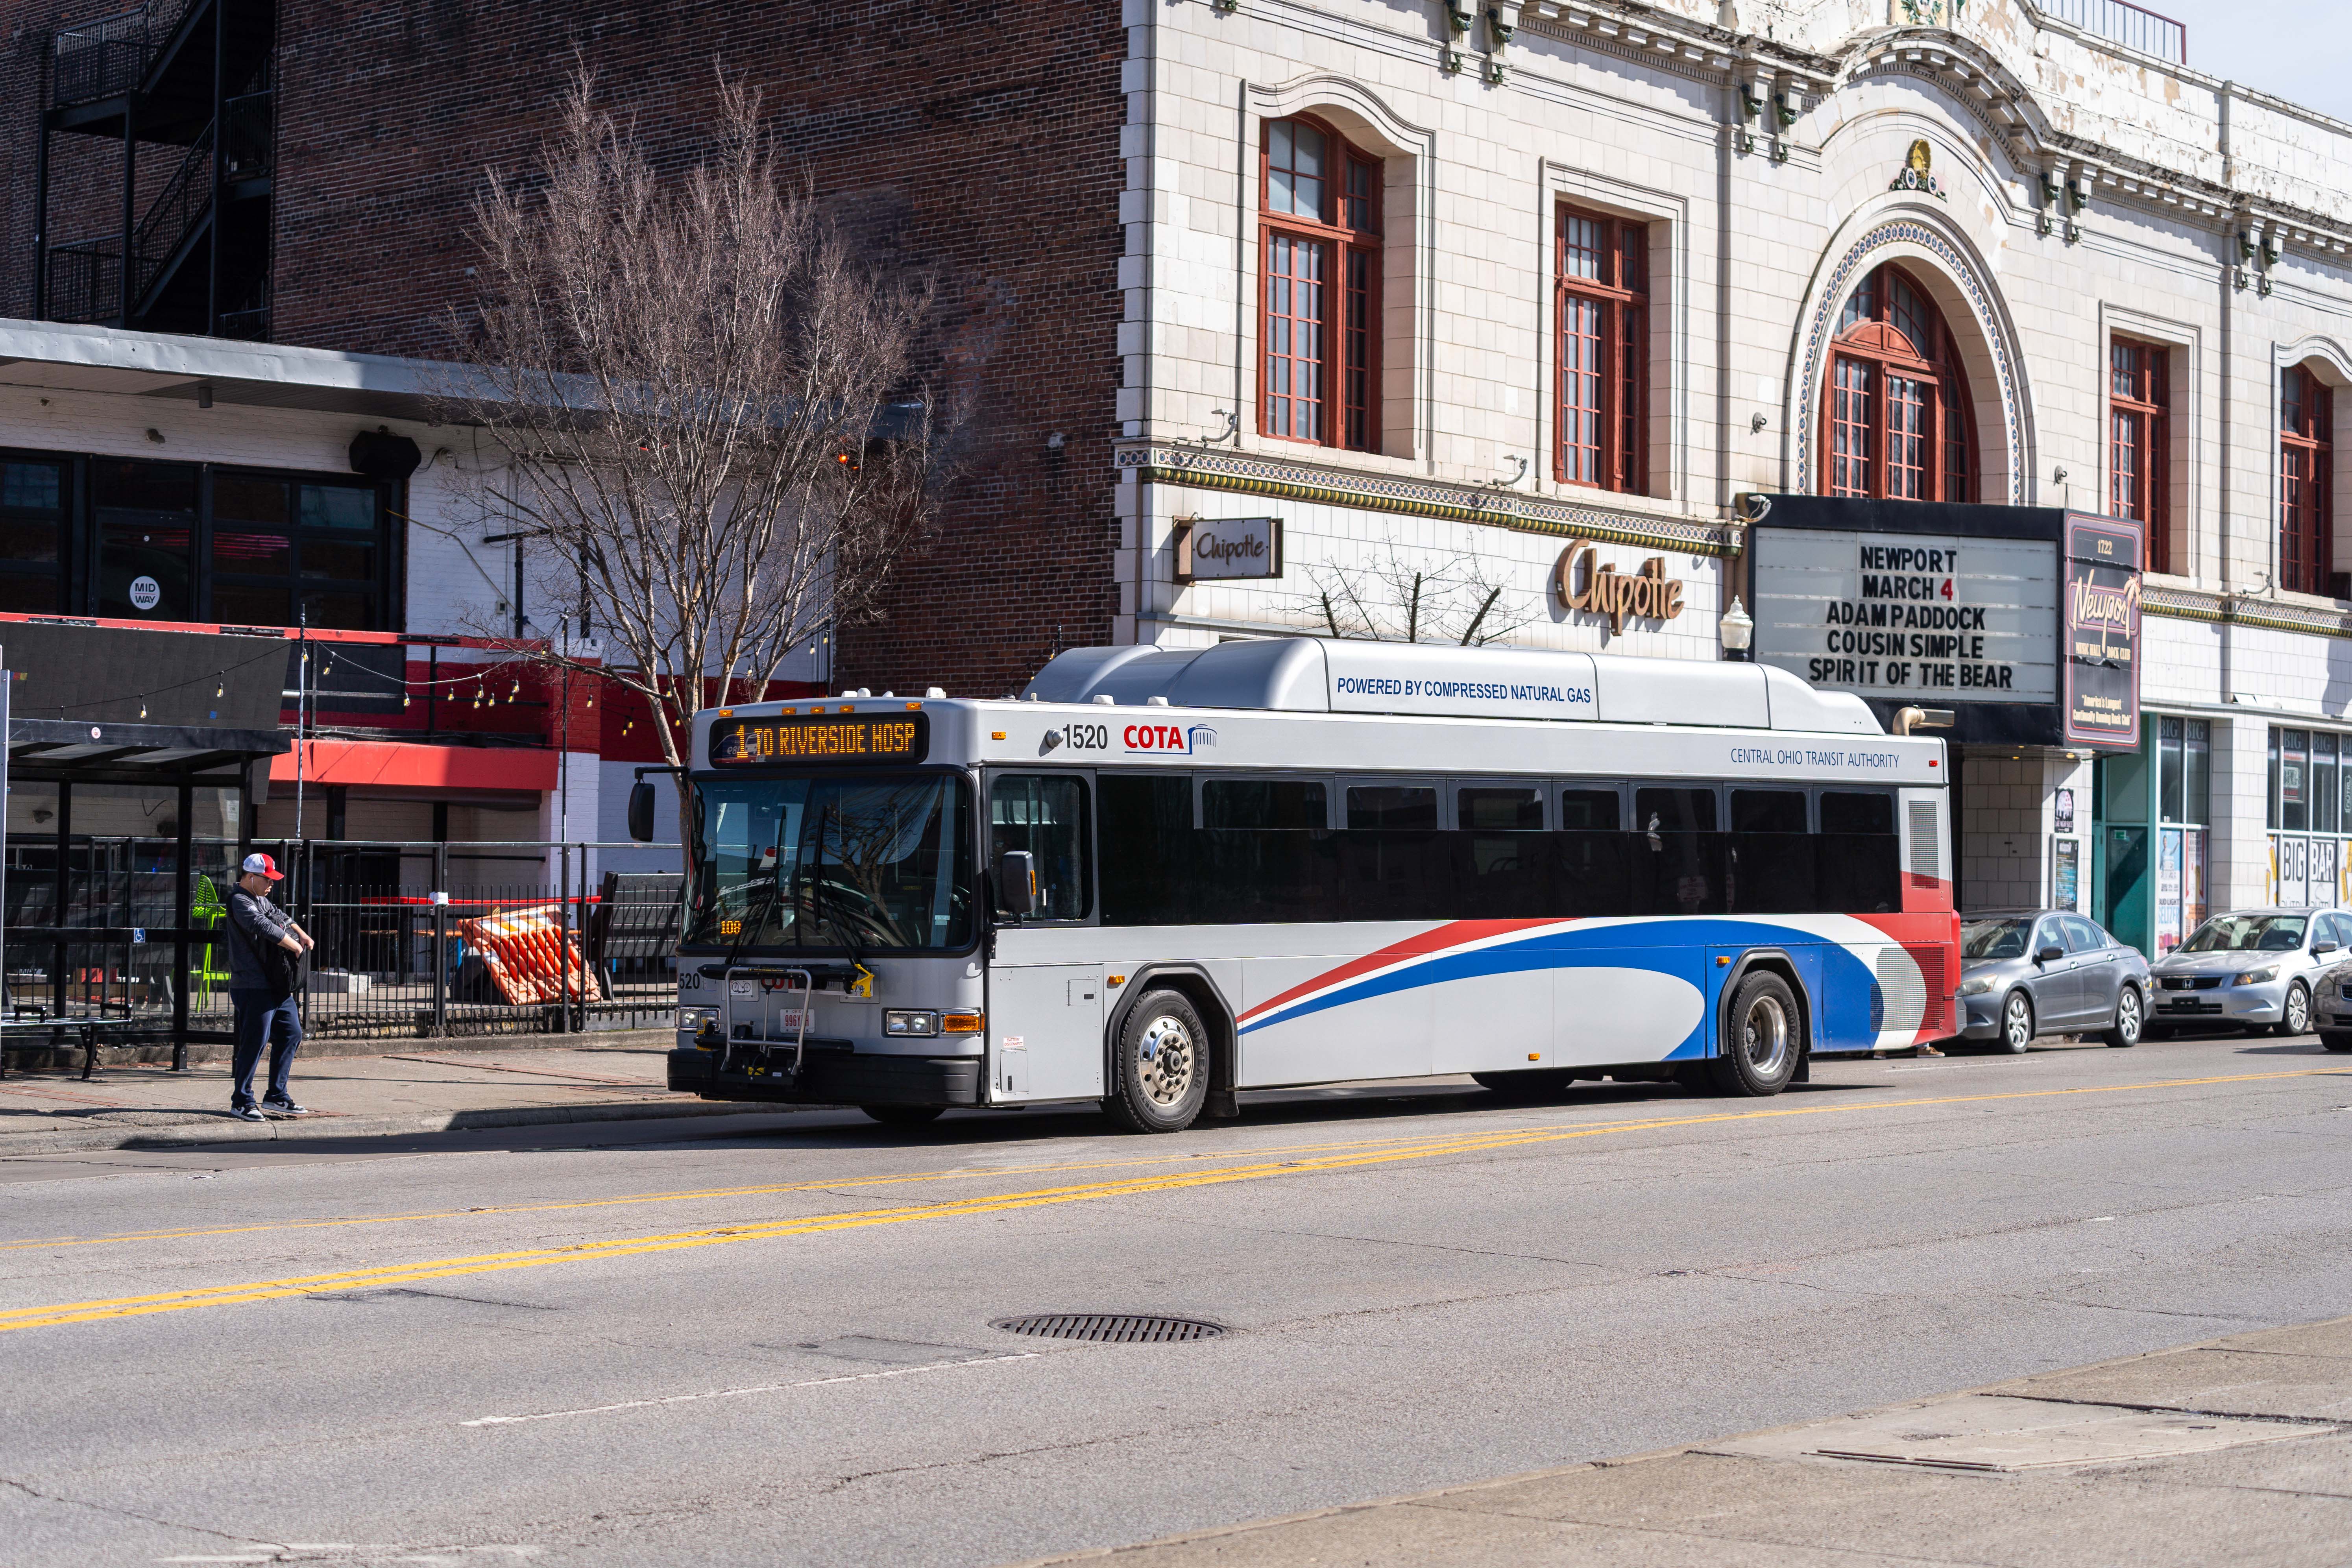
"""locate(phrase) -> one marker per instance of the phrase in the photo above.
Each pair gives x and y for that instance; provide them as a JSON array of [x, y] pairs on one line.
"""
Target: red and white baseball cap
[[262, 865]]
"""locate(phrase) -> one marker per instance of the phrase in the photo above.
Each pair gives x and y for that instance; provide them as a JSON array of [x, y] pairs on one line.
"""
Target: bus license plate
[[791, 1021]]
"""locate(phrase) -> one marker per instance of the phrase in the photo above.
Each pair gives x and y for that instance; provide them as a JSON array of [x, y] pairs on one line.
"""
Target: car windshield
[[2247, 933], [1995, 937], [880, 863]]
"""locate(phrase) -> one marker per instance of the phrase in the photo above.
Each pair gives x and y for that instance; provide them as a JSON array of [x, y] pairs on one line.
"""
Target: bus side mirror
[[641, 811], [1016, 882]]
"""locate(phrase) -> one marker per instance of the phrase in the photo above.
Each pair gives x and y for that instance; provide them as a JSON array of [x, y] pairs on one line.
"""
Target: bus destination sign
[[820, 739]]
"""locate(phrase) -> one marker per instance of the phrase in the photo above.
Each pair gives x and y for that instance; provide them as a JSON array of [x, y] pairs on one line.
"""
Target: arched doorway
[[1901, 424]]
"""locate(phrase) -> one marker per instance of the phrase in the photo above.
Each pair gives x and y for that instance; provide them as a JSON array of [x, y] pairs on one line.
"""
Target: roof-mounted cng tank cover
[[1317, 675]]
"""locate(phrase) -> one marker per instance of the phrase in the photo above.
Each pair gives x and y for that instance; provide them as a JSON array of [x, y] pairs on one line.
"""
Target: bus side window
[[1588, 810], [1149, 855], [1770, 867], [1500, 808], [1264, 804], [1589, 878], [1858, 855], [1677, 853], [1046, 815], [1392, 808]]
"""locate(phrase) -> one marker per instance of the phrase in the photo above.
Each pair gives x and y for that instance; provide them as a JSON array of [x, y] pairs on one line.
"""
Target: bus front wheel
[[1764, 1037], [1159, 1075]]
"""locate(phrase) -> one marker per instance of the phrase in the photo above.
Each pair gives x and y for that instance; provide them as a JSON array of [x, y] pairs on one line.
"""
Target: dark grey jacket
[[259, 924]]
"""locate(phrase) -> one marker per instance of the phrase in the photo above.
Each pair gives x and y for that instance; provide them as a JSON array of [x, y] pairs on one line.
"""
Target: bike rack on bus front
[[800, 1038]]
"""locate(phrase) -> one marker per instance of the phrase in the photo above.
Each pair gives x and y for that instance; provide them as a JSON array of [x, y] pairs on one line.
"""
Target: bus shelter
[[122, 844]]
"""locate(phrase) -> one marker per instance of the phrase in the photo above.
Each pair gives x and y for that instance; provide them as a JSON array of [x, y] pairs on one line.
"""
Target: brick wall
[[978, 141]]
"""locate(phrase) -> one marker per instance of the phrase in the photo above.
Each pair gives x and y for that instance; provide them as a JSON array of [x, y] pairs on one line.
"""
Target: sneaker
[[285, 1107], [248, 1113], [1928, 1051]]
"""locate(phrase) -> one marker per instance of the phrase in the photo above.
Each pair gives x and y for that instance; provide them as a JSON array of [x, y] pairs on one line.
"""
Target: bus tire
[[903, 1115], [1764, 1035], [1160, 1071]]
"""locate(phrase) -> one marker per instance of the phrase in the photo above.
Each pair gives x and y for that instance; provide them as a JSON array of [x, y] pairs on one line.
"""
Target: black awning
[[59, 749]]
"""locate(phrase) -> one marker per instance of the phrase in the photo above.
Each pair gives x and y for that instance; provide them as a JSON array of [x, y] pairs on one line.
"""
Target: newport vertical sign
[[2100, 626]]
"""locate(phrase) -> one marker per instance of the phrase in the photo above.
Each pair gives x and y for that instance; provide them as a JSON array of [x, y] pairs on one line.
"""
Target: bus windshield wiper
[[864, 982]]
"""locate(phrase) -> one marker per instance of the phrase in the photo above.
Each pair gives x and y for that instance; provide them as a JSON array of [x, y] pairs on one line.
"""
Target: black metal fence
[[415, 941]]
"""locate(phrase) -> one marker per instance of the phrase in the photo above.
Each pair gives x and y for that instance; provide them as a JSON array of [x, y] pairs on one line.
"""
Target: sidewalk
[[2234, 1451], [421, 1086]]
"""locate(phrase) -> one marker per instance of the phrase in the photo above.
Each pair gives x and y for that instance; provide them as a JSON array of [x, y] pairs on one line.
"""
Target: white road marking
[[759, 1388]]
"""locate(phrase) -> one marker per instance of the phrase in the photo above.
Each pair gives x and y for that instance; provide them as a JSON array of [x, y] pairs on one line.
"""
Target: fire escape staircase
[[193, 256]]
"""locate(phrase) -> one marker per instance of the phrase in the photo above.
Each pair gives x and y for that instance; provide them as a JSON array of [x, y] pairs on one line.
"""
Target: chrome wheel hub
[[1764, 1035], [1165, 1057]]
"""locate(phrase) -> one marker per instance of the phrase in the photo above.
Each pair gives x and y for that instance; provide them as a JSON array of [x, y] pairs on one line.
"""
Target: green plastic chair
[[205, 912]]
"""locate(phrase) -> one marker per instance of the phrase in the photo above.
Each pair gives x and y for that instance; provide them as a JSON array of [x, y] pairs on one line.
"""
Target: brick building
[[1514, 299]]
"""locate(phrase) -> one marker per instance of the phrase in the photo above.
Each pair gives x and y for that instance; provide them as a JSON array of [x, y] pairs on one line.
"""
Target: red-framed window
[[2138, 447], [2307, 474], [1601, 289], [1900, 426], [1319, 249]]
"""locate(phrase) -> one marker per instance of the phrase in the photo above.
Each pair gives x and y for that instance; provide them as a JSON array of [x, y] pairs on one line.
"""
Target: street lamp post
[[1735, 629]]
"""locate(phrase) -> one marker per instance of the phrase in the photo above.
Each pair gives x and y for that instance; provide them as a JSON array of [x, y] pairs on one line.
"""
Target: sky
[[2297, 49]]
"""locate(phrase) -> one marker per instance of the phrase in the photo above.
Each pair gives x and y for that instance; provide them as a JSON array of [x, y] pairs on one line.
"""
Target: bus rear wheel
[[1764, 1037], [1159, 1073]]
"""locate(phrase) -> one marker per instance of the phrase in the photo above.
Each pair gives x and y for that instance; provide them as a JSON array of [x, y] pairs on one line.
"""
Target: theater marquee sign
[[2023, 620]]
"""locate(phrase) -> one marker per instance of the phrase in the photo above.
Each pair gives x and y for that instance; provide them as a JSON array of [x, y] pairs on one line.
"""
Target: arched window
[[1319, 249], [1900, 426], [2306, 511]]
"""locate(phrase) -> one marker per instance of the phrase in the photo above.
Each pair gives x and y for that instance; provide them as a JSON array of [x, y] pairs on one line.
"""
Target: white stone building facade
[[2055, 191]]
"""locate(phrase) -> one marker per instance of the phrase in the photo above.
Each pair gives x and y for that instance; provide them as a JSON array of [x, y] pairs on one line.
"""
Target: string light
[[142, 705]]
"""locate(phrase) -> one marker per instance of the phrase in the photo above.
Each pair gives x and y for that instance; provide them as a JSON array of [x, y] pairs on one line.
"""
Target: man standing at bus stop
[[265, 950]]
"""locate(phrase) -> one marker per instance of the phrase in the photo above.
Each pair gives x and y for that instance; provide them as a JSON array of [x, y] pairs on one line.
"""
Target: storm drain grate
[[1112, 1328]]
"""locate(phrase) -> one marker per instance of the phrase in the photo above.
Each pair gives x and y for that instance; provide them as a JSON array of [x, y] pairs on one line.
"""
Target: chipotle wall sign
[[1584, 582], [2099, 621]]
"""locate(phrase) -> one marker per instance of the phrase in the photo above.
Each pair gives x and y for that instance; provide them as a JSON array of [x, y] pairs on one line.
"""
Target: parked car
[[2258, 969], [2048, 972], [2331, 995]]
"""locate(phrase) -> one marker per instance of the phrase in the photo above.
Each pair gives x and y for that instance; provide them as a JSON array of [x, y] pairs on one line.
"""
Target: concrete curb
[[194, 1132]]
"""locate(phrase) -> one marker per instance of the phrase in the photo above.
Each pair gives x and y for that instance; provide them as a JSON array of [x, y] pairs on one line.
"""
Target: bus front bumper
[[829, 1077]]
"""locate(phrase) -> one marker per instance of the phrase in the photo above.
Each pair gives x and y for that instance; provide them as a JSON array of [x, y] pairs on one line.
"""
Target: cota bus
[[1160, 877]]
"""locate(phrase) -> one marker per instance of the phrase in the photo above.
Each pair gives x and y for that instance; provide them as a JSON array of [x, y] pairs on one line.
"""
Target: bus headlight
[[902, 1021], [693, 1018]]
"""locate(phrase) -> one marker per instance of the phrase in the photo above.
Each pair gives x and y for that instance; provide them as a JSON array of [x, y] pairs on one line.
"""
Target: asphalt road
[[772, 1342]]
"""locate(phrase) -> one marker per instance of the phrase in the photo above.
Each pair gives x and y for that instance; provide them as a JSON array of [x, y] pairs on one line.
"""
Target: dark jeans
[[263, 1015]]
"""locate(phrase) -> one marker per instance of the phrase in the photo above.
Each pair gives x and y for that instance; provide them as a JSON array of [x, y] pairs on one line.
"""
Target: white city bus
[[1160, 876]]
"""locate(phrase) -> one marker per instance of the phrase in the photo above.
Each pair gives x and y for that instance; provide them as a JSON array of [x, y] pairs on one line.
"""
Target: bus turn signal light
[[960, 1022]]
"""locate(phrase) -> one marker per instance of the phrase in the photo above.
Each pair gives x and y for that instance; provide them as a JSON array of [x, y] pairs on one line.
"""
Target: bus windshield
[[877, 863]]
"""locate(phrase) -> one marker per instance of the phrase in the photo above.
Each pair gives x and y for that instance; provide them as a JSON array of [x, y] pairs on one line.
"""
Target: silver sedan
[[2258, 969], [2048, 972]]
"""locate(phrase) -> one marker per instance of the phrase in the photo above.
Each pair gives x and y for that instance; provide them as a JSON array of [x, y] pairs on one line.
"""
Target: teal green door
[[2123, 886]]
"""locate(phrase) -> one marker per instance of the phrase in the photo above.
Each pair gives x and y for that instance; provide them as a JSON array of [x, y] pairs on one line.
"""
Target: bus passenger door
[[1045, 1032]]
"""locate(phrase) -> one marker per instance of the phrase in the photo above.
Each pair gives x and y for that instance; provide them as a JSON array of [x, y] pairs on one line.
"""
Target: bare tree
[[707, 408], [1392, 598]]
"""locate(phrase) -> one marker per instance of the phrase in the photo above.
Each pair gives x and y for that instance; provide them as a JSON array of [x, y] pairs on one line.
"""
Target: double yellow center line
[[1255, 1168]]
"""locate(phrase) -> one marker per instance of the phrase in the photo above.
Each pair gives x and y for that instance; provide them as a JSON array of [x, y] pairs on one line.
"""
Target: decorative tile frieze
[[2245, 610], [1201, 467]]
